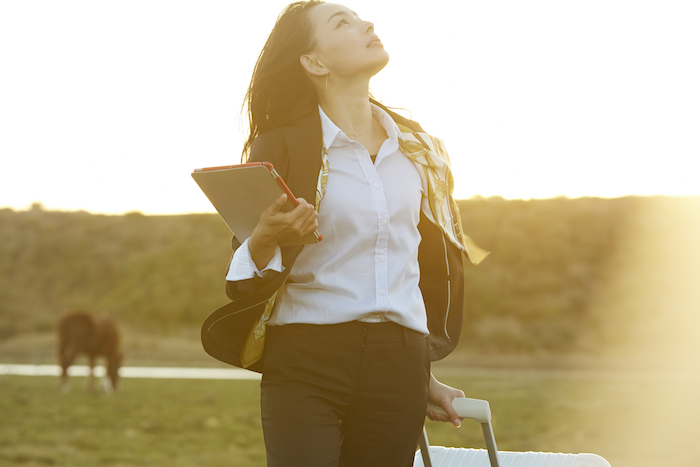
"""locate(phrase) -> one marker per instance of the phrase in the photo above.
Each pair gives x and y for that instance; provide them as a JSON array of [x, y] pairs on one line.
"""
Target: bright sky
[[107, 106]]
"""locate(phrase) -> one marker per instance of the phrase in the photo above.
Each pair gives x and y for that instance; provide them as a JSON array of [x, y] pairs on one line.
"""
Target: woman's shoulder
[[293, 140], [278, 136], [305, 123], [269, 136], [268, 145]]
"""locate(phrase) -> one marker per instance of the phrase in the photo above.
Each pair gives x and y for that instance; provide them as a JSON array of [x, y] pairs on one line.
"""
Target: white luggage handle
[[480, 411], [475, 409]]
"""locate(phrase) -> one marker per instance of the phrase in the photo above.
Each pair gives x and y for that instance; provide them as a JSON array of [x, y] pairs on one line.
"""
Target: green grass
[[147, 423], [620, 416]]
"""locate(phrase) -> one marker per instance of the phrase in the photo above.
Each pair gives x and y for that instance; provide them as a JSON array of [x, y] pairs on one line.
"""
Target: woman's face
[[346, 45]]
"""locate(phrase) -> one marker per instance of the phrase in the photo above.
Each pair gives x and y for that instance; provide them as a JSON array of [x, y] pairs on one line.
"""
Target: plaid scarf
[[430, 158]]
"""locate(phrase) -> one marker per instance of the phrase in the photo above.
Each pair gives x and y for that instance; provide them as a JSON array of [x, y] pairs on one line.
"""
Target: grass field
[[621, 416]]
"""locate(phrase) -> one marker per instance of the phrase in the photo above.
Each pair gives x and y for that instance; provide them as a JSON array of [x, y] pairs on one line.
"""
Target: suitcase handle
[[475, 409]]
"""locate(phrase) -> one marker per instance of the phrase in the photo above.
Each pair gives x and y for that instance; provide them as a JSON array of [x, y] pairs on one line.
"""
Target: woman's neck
[[348, 108]]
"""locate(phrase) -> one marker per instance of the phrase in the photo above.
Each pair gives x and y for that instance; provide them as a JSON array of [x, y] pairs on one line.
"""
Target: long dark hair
[[280, 92]]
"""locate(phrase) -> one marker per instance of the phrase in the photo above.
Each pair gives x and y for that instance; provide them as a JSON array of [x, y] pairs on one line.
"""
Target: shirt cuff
[[243, 267]]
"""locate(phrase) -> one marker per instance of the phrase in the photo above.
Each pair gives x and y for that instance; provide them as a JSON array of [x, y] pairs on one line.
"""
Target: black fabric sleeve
[[268, 147]]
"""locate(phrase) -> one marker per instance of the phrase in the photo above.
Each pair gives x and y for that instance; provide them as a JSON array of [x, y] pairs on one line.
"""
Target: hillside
[[540, 289]]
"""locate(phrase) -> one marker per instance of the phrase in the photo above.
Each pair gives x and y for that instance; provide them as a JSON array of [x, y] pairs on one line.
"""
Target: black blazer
[[296, 152]]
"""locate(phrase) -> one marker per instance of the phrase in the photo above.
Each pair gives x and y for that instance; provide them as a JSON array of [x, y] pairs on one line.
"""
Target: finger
[[437, 416], [295, 223], [310, 216], [304, 218], [448, 413], [304, 209], [278, 203], [452, 414], [309, 226]]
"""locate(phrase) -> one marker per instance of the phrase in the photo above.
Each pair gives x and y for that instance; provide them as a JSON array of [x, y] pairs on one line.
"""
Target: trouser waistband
[[384, 332]]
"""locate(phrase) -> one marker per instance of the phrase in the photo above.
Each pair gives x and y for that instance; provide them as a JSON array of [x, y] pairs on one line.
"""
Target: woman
[[358, 317]]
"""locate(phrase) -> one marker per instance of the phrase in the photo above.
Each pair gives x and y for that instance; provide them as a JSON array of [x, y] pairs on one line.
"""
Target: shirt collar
[[331, 132]]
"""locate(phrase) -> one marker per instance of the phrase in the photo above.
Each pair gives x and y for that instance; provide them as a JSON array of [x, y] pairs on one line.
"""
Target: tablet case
[[240, 193]]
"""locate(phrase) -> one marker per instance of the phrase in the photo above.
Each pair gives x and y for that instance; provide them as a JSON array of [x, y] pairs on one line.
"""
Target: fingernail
[[457, 423]]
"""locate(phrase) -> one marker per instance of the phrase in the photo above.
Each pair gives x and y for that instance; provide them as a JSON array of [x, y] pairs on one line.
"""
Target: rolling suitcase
[[479, 410]]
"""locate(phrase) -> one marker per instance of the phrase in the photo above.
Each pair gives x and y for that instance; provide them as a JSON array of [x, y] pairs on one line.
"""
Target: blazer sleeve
[[268, 147]]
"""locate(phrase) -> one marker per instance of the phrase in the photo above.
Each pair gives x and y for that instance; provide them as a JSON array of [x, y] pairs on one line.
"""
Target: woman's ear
[[313, 66]]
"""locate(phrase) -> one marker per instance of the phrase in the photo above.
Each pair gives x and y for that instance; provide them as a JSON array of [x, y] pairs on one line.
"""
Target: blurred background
[[573, 131]]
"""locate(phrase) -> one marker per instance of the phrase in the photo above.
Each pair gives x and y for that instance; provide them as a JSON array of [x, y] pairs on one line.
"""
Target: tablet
[[240, 193]]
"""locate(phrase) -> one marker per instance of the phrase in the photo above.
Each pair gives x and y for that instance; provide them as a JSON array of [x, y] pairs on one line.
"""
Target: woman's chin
[[380, 64]]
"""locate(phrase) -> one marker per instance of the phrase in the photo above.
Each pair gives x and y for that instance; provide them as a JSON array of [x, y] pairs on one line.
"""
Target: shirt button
[[376, 185], [381, 258], [383, 222], [381, 292]]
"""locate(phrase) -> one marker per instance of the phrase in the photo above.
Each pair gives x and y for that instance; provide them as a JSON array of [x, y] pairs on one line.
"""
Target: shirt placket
[[381, 246]]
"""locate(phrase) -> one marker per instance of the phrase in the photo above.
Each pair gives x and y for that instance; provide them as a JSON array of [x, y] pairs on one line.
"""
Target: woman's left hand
[[442, 395]]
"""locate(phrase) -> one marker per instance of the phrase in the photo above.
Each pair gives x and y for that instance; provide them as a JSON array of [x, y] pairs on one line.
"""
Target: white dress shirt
[[366, 266]]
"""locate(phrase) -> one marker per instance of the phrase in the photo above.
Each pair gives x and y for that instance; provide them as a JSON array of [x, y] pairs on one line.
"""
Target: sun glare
[[650, 312]]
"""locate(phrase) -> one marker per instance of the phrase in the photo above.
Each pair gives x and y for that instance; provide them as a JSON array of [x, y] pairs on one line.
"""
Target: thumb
[[452, 414], [279, 202], [450, 411]]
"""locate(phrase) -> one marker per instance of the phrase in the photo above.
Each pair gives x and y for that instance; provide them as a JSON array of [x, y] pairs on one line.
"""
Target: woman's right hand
[[275, 225]]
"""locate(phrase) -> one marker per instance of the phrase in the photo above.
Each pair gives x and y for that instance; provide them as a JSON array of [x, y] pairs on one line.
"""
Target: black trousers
[[349, 395]]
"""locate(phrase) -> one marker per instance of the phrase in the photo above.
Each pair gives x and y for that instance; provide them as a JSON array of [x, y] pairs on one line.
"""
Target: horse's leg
[[107, 385], [107, 380], [91, 376], [66, 355]]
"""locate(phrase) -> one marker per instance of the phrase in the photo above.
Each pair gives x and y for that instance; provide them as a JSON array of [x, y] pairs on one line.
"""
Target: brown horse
[[81, 333]]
